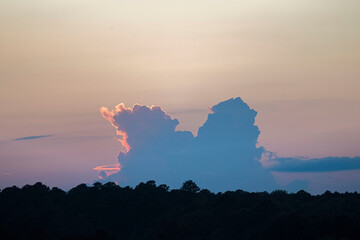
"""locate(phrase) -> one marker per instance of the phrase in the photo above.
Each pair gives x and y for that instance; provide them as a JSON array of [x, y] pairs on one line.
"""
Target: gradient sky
[[295, 62]]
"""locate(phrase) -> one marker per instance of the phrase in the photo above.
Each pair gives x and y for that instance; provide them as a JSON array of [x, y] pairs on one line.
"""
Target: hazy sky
[[295, 62]]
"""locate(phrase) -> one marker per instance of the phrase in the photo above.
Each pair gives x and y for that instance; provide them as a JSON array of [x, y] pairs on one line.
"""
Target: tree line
[[150, 211]]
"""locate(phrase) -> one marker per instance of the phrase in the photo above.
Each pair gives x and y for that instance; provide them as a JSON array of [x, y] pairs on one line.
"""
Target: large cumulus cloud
[[152, 147], [142, 126], [223, 156]]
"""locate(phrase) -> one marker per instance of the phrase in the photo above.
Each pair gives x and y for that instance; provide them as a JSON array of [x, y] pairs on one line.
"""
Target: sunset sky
[[297, 63]]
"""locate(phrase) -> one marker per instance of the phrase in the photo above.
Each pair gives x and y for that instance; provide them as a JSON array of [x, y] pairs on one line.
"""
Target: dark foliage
[[153, 212], [190, 186]]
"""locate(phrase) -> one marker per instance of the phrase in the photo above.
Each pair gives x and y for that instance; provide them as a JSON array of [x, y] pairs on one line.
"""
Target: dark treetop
[[154, 212]]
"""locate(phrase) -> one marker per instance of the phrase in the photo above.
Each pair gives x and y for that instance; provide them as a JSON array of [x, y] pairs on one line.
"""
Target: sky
[[294, 62]]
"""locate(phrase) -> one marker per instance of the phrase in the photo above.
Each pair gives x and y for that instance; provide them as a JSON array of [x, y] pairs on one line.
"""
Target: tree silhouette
[[109, 211], [190, 186]]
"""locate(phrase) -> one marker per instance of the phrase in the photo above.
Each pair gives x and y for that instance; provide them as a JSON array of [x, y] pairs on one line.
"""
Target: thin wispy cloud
[[328, 164], [106, 170], [33, 137]]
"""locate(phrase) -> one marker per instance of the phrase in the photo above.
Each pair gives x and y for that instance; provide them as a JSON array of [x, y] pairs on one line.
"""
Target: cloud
[[109, 115], [151, 145], [106, 170], [140, 125], [223, 156], [225, 150], [32, 137], [328, 164]]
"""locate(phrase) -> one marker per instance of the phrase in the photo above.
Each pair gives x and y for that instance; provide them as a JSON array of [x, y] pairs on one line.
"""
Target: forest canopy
[[150, 211]]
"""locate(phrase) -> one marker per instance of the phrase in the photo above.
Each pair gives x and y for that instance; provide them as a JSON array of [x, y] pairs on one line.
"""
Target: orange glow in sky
[[109, 115], [123, 140], [108, 169]]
